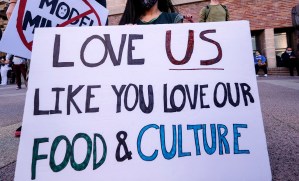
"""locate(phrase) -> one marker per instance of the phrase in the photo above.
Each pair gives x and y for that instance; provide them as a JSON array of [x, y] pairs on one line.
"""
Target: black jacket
[[285, 57]]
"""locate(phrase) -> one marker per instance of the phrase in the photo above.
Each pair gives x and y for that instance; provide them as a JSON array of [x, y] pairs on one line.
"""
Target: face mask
[[148, 4], [289, 52]]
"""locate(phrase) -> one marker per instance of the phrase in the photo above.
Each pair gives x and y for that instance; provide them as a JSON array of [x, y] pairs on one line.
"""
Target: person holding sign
[[143, 12]]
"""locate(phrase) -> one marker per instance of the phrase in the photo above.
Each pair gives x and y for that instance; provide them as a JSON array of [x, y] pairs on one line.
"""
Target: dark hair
[[134, 10]]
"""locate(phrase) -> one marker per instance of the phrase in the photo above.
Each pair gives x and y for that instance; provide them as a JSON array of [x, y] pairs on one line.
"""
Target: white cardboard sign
[[163, 102], [28, 15]]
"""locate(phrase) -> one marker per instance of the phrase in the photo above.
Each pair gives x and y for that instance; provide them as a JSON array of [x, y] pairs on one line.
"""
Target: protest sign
[[162, 102], [28, 15]]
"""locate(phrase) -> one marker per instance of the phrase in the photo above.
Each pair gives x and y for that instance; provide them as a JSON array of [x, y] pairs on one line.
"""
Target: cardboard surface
[[153, 114]]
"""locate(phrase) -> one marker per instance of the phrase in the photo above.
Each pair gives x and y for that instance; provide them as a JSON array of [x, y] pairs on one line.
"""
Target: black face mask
[[148, 4]]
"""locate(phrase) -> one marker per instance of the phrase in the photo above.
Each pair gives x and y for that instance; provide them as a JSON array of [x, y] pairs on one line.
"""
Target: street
[[279, 98]]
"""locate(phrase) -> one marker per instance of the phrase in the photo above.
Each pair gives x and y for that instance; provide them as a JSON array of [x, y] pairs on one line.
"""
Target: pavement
[[280, 107], [12, 103]]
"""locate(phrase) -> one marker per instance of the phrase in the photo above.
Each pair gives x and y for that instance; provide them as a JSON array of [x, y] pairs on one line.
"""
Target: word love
[[105, 41], [193, 97], [231, 94]]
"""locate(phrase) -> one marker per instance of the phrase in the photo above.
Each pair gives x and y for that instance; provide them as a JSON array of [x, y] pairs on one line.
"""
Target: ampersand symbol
[[121, 137]]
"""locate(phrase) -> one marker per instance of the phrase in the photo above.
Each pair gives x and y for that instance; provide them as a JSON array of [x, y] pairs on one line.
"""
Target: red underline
[[200, 69]]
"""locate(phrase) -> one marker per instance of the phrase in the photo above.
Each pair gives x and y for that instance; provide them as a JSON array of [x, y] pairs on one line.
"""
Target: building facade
[[270, 21]]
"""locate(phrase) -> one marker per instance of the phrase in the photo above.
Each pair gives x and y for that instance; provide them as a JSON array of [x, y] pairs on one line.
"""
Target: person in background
[[260, 62], [214, 12], [289, 58], [4, 69], [19, 67], [9, 11], [142, 12]]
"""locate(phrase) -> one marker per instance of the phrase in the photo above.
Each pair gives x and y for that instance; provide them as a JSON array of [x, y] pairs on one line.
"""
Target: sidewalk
[[280, 107], [11, 112]]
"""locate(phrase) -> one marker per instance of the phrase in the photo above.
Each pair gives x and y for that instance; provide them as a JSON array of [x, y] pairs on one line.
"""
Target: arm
[[202, 15], [293, 56], [264, 60], [10, 8], [2, 61], [188, 18], [179, 19]]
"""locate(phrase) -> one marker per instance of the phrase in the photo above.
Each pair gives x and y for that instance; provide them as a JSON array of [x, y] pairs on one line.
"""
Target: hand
[[188, 17], [10, 9]]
